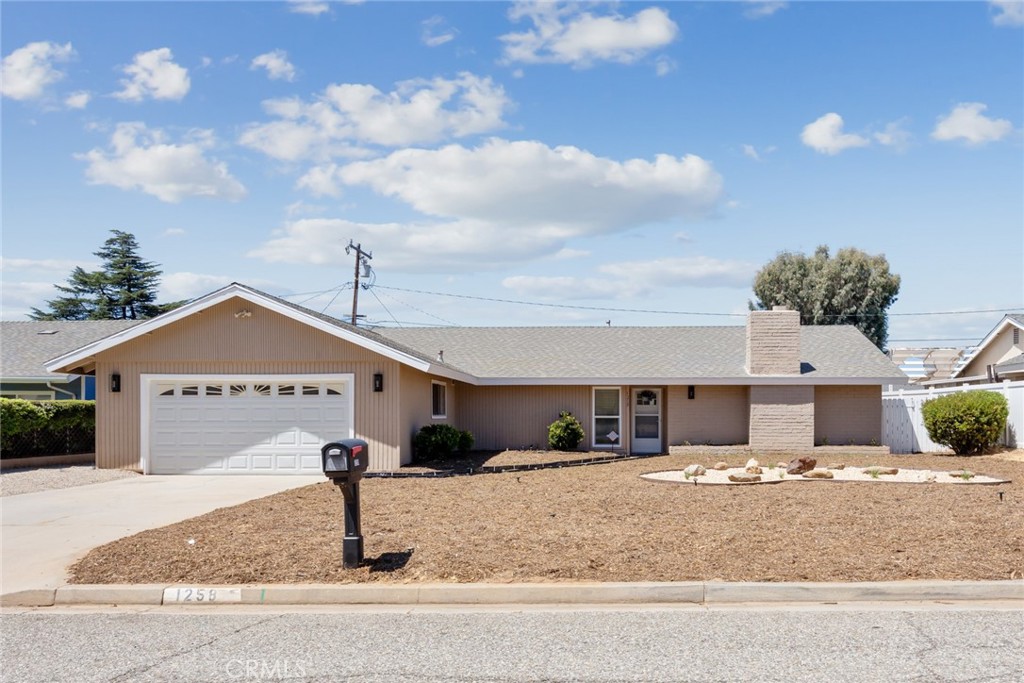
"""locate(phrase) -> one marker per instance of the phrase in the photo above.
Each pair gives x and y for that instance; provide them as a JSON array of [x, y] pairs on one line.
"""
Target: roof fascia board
[[220, 296], [60, 379], [684, 381], [996, 331]]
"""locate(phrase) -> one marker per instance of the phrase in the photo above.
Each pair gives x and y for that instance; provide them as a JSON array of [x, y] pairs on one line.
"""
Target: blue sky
[[634, 156]]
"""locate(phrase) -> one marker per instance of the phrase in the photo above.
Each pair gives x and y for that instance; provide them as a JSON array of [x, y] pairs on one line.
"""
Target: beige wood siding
[[848, 415], [417, 406], [717, 415], [215, 342], [518, 417]]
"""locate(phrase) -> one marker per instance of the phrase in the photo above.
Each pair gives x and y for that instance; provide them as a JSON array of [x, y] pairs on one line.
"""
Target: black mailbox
[[345, 459], [344, 463]]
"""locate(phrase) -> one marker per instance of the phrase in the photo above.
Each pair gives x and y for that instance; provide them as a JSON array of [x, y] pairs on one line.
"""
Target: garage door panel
[[249, 427]]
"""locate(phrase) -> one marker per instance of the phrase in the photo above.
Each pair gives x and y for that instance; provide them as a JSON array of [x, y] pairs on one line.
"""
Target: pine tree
[[124, 288]]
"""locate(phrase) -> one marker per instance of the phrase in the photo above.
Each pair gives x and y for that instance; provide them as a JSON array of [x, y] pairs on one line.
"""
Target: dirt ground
[[600, 523]]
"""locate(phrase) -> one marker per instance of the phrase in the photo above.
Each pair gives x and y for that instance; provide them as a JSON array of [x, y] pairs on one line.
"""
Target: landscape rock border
[[753, 474]]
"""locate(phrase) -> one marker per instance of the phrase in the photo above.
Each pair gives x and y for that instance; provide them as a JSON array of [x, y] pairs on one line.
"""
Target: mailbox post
[[344, 463]]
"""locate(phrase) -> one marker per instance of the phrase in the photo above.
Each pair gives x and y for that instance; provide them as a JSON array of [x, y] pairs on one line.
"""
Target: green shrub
[[565, 433], [18, 416], [46, 427], [440, 441], [967, 421]]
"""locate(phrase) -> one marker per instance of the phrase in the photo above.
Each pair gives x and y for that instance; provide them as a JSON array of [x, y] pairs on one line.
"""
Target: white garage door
[[268, 424]]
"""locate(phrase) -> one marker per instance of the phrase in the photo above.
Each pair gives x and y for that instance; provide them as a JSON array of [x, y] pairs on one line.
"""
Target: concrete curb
[[696, 593]]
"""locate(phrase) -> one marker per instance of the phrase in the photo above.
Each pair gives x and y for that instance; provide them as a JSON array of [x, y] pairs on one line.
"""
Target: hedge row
[[30, 428]]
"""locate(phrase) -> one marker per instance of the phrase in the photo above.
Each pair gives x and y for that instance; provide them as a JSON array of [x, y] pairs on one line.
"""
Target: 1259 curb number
[[193, 594]]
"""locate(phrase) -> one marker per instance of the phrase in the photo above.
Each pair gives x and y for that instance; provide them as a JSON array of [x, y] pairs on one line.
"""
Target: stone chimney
[[773, 342]]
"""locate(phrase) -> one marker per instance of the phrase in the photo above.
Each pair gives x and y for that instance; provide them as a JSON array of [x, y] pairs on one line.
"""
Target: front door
[[647, 421]]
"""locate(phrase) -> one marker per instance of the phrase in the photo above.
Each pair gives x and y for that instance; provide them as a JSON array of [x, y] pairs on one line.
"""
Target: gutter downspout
[[49, 385]]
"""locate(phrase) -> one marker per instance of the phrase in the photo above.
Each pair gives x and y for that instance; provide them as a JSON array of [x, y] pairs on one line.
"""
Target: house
[[242, 381], [26, 345], [999, 356]]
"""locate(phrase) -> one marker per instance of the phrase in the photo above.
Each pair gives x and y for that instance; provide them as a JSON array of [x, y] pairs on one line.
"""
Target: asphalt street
[[799, 643]]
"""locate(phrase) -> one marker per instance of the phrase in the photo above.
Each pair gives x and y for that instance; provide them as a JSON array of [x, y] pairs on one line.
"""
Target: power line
[[642, 310], [549, 305], [383, 306], [407, 304]]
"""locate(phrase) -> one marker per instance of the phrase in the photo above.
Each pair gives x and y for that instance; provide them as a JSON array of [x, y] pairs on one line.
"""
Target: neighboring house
[[925, 364], [241, 381], [26, 345], [999, 356]]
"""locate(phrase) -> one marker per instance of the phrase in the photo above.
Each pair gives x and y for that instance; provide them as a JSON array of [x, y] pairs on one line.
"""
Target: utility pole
[[362, 259]]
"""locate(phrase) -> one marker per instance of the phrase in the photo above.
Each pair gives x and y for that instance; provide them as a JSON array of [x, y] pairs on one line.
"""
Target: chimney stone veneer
[[781, 415]]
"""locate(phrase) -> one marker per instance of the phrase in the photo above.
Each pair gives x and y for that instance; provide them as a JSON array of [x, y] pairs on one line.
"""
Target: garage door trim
[[147, 380]]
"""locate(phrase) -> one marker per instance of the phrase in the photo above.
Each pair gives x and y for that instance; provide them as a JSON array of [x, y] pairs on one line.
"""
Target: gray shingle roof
[[1014, 365], [24, 349], [635, 352]]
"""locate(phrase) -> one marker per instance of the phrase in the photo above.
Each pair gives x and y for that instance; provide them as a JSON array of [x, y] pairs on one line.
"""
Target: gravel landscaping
[[600, 522], [18, 481]]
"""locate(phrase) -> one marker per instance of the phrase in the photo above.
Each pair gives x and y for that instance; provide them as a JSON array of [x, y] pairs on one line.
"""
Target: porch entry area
[[647, 420]]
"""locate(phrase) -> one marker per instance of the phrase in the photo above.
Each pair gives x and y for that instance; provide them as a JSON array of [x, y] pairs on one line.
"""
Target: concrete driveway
[[46, 531]]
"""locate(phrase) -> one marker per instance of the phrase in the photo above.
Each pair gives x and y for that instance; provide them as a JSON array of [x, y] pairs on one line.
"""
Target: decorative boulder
[[800, 465], [695, 470], [752, 463], [783, 465], [744, 478], [837, 466], [882, 470], [721, 465], [753, 470], [818, 474]]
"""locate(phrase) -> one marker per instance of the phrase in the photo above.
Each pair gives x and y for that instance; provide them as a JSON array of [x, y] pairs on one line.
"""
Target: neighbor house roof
[[26, 345], [1009, 320], [560, 355], [1012, 366], [501, 355]]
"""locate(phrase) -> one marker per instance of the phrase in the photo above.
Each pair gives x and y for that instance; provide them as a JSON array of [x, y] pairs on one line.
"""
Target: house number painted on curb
[[195, 594]]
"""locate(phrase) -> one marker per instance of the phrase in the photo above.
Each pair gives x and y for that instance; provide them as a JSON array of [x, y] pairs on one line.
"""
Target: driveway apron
[[46, 531]]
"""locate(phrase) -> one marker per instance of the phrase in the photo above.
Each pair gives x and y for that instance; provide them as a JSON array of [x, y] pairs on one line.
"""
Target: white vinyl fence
[[903, 428]]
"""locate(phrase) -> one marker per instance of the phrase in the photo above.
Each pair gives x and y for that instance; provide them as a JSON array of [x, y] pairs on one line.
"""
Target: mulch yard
[[600, 523]]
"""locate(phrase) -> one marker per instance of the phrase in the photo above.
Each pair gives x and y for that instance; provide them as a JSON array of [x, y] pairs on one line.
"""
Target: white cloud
[[500, 203], [565, 34], [139, 158], [154, 74], [436, 31], [42, 265], [320, 181], [1007, 12], [663, 65], [627, 279], [894, 135], [751, 151], [567, 253], [184, 285], [77, 100], [565, 189], [173, 232], [18, 298], [28, 70], [967, 122], [758, 9], [826, 135], [277, 65], [348, 114], [309, 7]]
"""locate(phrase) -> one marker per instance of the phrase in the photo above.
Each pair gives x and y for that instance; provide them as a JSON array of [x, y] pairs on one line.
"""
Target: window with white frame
[[607, 417], [438, 399], [29, 395]]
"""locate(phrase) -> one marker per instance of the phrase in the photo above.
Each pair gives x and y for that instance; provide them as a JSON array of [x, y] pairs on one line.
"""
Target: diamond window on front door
[[607, 418]]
